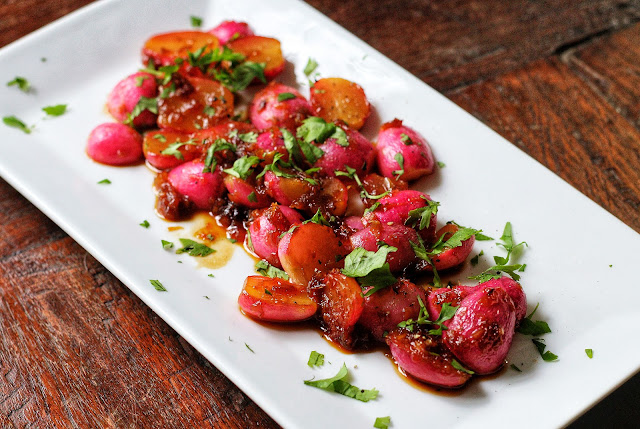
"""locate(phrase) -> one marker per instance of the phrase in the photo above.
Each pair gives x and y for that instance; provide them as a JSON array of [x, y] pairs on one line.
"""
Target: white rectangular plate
[[577, 251]]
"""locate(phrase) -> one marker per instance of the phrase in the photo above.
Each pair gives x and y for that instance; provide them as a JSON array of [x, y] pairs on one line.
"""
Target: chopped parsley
[[446, 313], [508, 244], [502, 263], [193, 248], [145, 224], [248, 348], [157, 285], [241, 76], [529, 327], [422, 216], [382, 422], [515, 368], [338, 384], [104, 182], [315, 359], [351, 173], [547, 356], [173, 148], [310, 67], [370, 268], [266, 269], [406, 139], [166, 245], [252, 197], [12, 121], [196, 21], [57, 110], [160, 138], [139, 80], [457, 365], [441, 164], [243, 167], [475, 259], [284, 96], [21, 82], [300, 150], [400, 160], [589, 353], [315, 129], [209, 111], [210, 161], [144, 103]]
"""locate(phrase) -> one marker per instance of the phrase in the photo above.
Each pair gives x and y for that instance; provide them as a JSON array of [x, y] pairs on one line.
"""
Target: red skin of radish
[[201, 188], [384, 309], [395, 208], [113, 143], [284, 302], [417, 156], [359, 155], [398, 236], [266, 111], [481, 331], [239, 191], [450, 257], [228, 30], [266, 228], [271, 141], [126, 94], [425, 358]]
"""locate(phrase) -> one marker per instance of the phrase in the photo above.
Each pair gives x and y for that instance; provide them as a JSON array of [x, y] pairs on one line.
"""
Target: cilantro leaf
[[507, 243], [488, 275], [406, 139], [57, 110], [361, 262], [21, 82], [382, 422], [515, 368], [315, 359], [210, 160], [310, 67], [446, 313], [266, 269], [193, 248], [482, 237], [157, 285], [351, 173], [12, 121], [196, 21], [441, 164], [338, 384], [299, 150], [547, 356], [319, 219], [284, 96], [243, 167]]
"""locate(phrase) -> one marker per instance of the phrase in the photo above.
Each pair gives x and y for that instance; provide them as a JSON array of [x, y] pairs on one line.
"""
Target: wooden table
[[558, 78]]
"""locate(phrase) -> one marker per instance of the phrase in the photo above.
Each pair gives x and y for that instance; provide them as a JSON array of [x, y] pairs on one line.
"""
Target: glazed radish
[[399, 144], [451, 257], [260, 49], [286, 190], [267, 227], [125, 96], [359, 154], [275, 300], [280, 106], [246, 194], [341, 306], [384, 309], [396, 207], [331, 198], [336, 99], [231, 30], [166, 149], [195, 104], [452, 296], [398, 236], [164, 48], [310, 249], [481, 331], [272, 141], [424, 358], [114, 144], [201, 188]]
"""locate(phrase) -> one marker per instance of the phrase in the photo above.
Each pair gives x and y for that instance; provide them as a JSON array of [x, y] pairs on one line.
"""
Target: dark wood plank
[[78, 349], [450, 44], [554, 116], [611, 65]]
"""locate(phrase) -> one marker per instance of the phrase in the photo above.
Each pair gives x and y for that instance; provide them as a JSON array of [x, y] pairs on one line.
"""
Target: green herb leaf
[[252, 197], [547, 356], [441, 164], [300, 150], [241, 76], [315, 129], [382, 422], [210, 160], [144, 103], [139, 80], [22, 83], [283, 96], [360, 262], [196, 21], [515, 368], [249, 348], [209, 111], [104, 182], [243, 167], [160, 138], [315, 359], [475, 259], [589, 353], [266, 269], [319, 219], [422, 216], [488, 273], [457, 365], [406, 139], [12, 121], [166, 244], [310, 67], [157, 285], [482, 237], [339, 385], [145, 224], [529, 327], [400, 160], [507, 243], [193, 248], [173, 148]]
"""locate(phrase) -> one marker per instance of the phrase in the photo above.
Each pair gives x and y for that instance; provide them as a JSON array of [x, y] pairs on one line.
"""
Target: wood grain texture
[[611, 65], [453, 43], [555, 117]]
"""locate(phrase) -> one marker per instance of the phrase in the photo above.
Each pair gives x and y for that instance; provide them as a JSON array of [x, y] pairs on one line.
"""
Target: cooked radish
[[336, 99], [481, 331], [261, 50], [166, 149], [271, 141], [231, 30], [278, 105], [359, 154], [384, 309], [114, 144], [275, 300], [125, 96], [286, 190], [398, 236], [424, 358], [452, 296], [201, 188], [396, 207], [341, 306], [245, 193], [195, 104], [402, 152], [164, 48], [453, 256], [267, 227], [308, 250]]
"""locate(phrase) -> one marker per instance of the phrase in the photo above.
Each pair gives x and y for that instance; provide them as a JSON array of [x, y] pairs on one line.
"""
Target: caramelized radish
[[275, 300], [310, 249], [261, 50], [336, 99], [155, 142], [164, 48], [266, 228], [396, 207], [424, 358], [451, 257], [245, 193], [341, 306]]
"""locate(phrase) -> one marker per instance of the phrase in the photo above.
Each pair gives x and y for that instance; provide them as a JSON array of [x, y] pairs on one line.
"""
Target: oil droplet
[[207, 230]]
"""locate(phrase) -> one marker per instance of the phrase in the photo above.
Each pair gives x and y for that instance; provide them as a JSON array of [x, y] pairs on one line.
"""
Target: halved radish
[[261, 50], [337, 99], [164, 48], [159, 141], [341, 306], [275, 300]]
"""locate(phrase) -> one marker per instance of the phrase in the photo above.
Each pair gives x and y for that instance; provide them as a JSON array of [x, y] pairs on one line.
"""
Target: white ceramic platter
[[577, 251]]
